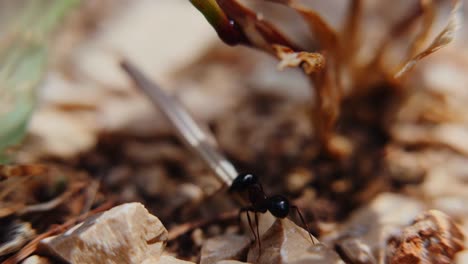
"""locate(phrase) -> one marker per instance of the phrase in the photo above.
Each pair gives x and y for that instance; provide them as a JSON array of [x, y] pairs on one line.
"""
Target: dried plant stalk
[[327, 67], [443, 38]]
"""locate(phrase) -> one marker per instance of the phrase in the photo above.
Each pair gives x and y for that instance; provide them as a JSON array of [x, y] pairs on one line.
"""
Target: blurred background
[[65, 102]]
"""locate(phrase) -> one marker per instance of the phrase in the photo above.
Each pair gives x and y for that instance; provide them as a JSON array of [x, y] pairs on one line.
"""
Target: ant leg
[[303, 222], [258, 235], [247, 210]]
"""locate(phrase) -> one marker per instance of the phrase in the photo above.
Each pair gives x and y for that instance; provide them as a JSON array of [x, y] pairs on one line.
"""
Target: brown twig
[[182, 229]]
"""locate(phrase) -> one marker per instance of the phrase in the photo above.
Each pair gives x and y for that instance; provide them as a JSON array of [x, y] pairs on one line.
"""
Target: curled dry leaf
[[310, 62]]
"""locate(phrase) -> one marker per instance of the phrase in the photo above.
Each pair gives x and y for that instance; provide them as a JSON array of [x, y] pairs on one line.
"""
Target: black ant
[[278, 205], [204, 145]]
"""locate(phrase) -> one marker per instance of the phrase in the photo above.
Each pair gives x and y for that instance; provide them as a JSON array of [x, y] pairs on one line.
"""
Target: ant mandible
[[278, 205]]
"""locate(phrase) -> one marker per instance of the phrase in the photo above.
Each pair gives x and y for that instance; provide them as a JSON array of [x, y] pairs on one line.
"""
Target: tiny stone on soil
[[433, 237]]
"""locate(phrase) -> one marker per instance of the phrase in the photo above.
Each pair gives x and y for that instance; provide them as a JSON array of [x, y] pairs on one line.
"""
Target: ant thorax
[[243, 181], [258, 198]]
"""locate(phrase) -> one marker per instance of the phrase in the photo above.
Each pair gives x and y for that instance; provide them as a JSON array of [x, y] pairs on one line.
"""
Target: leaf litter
[[358, 135]]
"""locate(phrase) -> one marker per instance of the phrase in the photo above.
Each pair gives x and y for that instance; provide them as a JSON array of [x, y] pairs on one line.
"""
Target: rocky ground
[[102, 175]]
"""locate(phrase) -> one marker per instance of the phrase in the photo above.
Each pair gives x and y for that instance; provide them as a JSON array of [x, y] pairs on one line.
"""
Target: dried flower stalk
[[333, 68]]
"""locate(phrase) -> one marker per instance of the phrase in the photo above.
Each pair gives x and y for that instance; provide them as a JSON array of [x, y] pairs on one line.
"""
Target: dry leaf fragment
[[442, 39], [310, 62], [21, 170]]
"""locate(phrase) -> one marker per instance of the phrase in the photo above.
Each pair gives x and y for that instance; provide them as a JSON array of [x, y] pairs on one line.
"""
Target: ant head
[[278, 206], [243, 181]]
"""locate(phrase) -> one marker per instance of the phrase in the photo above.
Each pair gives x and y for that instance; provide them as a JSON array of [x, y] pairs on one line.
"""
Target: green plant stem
[[224, 26]]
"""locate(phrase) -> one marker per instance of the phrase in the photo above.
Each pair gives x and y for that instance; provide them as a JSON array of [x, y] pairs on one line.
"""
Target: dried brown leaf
[[310, 62], [9, 171], [442, 39]]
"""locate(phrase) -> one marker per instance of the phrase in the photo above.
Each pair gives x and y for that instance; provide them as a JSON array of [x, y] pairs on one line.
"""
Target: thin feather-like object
[[441, 40]]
